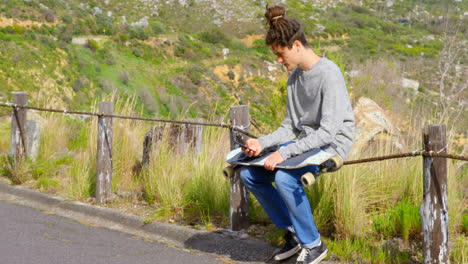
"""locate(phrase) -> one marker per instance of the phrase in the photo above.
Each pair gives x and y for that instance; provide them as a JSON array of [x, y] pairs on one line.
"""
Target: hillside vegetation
[[196, 58]]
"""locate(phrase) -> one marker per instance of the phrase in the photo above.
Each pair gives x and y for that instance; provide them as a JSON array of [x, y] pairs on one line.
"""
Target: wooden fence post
[[104, 153], [239, 210], [18, 137], [434, 209]]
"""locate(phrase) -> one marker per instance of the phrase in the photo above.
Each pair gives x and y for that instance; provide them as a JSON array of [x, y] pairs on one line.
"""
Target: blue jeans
[[287, 204]]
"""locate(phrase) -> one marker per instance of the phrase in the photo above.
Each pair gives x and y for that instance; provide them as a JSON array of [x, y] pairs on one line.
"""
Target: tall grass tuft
[[459, 252], [18, 172], [5, 128], [80, 178], [187, 185]]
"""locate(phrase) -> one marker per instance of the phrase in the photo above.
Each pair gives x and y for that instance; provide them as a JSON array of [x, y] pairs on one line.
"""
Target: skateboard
[[327, 162]]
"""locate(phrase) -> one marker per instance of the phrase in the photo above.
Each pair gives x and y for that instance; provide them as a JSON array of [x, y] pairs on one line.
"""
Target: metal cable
[[131, 117], [236, 129], [404, 155]]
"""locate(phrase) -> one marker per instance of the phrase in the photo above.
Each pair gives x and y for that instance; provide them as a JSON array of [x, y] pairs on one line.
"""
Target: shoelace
[[303, 254]]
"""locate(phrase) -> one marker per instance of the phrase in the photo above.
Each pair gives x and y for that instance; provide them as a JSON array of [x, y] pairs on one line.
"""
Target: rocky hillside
[[198, 57]]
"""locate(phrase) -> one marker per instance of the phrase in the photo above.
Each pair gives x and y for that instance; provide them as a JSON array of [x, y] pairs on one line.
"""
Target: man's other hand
[[273, 160], [253, 144]]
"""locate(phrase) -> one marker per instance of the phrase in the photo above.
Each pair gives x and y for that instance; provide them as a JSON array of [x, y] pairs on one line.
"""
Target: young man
[[319, 115]]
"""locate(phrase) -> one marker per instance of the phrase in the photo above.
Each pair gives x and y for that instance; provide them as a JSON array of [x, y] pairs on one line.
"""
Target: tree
[[452, 72]]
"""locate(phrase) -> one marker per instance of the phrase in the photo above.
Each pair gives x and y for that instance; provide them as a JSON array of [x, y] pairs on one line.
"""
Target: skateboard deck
[[327, 162], [312, 157]]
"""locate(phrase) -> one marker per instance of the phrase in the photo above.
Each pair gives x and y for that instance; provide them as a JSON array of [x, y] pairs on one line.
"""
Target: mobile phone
[[244, 146]]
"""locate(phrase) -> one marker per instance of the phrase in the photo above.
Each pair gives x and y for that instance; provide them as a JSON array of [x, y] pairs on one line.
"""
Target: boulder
[[372, 124], [410, 84]]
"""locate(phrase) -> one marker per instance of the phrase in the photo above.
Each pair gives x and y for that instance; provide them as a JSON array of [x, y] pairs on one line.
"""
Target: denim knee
[[286, 180], [246, 176]]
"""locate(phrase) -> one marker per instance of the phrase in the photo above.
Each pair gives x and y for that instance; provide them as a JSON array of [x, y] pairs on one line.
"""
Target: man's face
[[286, 56]]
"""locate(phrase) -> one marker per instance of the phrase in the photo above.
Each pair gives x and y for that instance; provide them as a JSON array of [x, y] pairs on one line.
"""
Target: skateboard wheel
[[338, 160], [308, 179], [228, 172]]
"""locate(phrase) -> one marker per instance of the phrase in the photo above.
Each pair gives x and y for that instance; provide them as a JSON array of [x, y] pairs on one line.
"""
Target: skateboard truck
[[331, 165]]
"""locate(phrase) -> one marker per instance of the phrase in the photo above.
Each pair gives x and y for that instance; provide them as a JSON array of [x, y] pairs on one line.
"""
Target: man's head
[[283, 31], [288, 57], [285, 36]]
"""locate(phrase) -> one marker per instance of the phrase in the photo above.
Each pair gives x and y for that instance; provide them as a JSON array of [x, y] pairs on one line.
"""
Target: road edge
[[174, 235]]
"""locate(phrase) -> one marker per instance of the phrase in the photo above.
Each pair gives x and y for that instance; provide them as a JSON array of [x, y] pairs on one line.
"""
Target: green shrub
[[214, 36], [122, 38], [90, 25], [194, 73], [124, 77], [45, 183], [260, 46], [180, 52], [48, 41], [137, 32], [79, 27], [231, 75], [232, 60], [107, 56], [157, 28], [206, 52], [49, 16], [65, 33], [79, 83], [383, 224], [8, 30], [92, 45], [67, 19], [465, 223], [104, 24], [360, 9], [403, 219], [136, 51], [17, 29], [46, 30]]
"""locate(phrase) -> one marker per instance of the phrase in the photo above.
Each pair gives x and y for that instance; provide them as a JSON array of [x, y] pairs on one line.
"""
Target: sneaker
[[290, 248], [312, 255]]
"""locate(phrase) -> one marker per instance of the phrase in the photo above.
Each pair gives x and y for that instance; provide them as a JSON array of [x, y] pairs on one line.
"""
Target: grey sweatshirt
[[319, 113]]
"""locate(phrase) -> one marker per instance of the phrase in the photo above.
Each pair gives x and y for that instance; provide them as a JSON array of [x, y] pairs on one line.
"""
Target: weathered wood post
[[18, 136], [239, 211], [104, 153], [434, 209]]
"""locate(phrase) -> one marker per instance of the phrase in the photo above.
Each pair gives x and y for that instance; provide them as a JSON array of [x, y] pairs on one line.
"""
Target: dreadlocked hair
[[283, 31]]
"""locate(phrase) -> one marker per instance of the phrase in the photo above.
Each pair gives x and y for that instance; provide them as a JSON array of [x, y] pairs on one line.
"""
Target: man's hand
[[273, 160], [254, 144]]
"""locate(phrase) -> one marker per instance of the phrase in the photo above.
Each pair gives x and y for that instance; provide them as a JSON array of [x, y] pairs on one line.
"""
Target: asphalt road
[[28, 235]]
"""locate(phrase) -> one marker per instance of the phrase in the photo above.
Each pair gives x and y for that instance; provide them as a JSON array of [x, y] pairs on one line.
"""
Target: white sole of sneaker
[[288, 254], [322, 256]]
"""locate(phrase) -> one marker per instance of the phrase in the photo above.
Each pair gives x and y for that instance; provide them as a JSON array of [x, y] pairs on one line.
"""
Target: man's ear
[[297, 44]]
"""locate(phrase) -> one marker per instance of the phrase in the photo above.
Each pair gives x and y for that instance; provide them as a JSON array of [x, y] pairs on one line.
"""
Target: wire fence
[[229, 126]]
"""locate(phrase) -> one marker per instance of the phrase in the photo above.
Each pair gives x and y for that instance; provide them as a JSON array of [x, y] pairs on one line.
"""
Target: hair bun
[[274, 13]]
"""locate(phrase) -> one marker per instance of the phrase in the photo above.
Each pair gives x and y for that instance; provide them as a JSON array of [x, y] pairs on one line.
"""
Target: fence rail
[[101, 114], [434, 214], [239, 129]]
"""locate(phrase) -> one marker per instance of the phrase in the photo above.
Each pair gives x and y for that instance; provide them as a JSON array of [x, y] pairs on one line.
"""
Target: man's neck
[[310, 59]]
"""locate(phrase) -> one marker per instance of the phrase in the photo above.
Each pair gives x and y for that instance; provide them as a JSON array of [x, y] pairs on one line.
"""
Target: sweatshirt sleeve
[[285, 133], [330, 114]]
